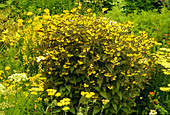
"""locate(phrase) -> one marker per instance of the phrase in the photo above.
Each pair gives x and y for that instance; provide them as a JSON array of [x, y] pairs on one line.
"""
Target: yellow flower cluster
[[163, 59], [51, 92], [165, 89], [87, 94], [37, 82], [105, 101], [64, 102]]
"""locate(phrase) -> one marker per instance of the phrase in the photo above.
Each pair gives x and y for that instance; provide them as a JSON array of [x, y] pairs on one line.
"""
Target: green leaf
[[9, 2], [123, 62], [56, 111], [111, 109], [105, 57], [79, 71], [120, 95], [109, 67], [68, 87], [125, 110], [118, 85], [59, 83], [2, 5], [113, 92], [62, 88], [71, 69], [96, 110], [114, 106], [72, 110], [82, 99], [97, 88], [100, 81], [103, 94]]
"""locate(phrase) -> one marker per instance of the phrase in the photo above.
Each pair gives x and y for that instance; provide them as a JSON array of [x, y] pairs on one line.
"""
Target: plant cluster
[[88, 53]]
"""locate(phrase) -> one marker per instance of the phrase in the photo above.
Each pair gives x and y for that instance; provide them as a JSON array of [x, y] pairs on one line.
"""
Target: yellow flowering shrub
[[76, 49]]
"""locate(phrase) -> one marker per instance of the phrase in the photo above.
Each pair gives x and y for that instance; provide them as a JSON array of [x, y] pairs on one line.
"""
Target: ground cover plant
[[64, 64]]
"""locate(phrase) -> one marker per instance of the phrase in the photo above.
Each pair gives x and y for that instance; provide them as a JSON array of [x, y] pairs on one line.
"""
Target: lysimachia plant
[[88, 53]]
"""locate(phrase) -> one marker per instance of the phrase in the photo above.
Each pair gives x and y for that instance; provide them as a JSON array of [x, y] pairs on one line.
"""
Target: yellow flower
[[36, 18], [92, 93], [19, 20], [29, 13], [83, 93], [51, 91], [7, 68], [65, 11], [104, 9], [85, 85], [46, 99], [47, 11], [39, 98], [105, 101], [165, 89], [88, 95], [35, 106], [110, 87], [5, 97], [29, 21], [59, 104], [89, 10], [65, 108], [58, 94], [34, 93]]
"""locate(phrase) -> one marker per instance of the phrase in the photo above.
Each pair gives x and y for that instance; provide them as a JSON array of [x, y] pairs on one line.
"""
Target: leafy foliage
[[77, 49]]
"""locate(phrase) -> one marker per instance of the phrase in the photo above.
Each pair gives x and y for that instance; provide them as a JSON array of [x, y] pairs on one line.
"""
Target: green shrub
[[89, 53], [146, 5], [155, 24]]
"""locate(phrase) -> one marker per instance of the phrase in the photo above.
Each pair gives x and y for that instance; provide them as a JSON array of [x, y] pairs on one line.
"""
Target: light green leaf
[[120, 95], [72, 110], [96, 110], [103, 94], [9, 2], [114, 106], [71, 69], [109, 67], [105, 57], [68, 87], [62, 88], [118, 85], [96, 88], [82, 99], [100, 81], [2, 5]]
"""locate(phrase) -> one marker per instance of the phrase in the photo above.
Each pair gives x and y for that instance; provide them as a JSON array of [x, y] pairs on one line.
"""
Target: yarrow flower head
[[152, 112], [105, 101], [65, 108], [51, 91], [18, 77], [40, 58]]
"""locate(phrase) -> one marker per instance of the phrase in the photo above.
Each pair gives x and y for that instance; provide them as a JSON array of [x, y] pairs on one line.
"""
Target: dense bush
[[88, 53], [154, 23], [145, 5]]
